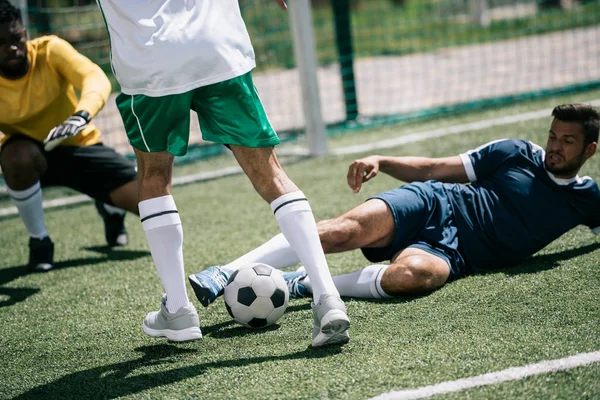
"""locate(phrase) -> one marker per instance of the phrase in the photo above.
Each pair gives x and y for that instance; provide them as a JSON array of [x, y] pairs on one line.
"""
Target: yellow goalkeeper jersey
[[45, 96]]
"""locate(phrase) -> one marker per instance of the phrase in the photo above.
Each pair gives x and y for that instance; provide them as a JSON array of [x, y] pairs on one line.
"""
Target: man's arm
[[82, 73], [407, 169], [281, 4]]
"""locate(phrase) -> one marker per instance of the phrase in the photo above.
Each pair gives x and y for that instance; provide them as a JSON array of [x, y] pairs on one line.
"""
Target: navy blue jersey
[[514, 206]]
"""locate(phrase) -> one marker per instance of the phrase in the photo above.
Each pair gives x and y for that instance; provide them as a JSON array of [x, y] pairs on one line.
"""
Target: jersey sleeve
[[82, 73], [485, 159]]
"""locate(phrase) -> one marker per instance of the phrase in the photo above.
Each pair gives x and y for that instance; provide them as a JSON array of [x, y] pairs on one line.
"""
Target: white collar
[[562, 181]]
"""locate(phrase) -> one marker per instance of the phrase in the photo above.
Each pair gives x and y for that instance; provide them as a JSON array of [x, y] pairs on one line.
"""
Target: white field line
[[363, 148], [510, 374]]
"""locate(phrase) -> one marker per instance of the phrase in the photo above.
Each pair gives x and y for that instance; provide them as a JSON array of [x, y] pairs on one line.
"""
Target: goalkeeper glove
[[71, 127]]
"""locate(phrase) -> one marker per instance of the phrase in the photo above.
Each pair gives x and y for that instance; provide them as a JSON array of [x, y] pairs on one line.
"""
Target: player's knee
[[22, 160], [411, 275]]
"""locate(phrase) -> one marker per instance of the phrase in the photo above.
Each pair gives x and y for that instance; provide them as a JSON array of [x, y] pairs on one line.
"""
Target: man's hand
[[281, 4], [361, 171], [71, 127]]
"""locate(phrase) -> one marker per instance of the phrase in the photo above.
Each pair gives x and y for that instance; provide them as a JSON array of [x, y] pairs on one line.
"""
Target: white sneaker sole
[[181, 335], [334, 329]]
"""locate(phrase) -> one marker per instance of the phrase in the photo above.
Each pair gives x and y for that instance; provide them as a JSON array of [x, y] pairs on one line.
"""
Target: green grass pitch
[[75, 332]]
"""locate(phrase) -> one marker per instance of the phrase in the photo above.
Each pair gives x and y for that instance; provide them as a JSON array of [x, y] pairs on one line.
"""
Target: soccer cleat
[[179, 327], [293, 281], [114, 226], [330, 322], [209, 284], [41, 254]]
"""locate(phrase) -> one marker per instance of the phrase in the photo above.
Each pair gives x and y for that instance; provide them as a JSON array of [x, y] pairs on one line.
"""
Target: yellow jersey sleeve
[[82, 73]]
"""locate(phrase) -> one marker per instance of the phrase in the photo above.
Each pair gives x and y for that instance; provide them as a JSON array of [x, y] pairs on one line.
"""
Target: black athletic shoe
[[41, 254], [114, 227]]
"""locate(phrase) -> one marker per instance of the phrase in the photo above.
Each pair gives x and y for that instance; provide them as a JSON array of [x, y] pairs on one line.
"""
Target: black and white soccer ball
[[256, 295]]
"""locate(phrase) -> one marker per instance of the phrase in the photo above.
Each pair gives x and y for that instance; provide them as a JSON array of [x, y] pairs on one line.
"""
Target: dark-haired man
[[436, 228], [47, 136]]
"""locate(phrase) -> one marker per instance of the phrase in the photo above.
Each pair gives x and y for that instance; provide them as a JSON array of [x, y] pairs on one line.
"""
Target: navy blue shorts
[[423, 218]]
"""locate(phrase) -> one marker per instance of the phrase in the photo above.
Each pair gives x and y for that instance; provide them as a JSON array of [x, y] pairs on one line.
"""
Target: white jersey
[[164, 47]]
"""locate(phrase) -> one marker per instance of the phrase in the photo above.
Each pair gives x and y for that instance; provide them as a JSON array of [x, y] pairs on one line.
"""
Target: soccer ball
[[256, 295]]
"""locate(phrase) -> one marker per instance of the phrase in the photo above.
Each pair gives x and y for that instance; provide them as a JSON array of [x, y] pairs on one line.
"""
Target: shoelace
[[220, 277], [293, 285]]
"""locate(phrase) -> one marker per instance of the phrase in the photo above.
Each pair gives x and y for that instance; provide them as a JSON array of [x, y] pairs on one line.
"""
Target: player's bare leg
[[23, 165], [412, 271], [368, 225], [177, 318], [126, 197], [296, 221]]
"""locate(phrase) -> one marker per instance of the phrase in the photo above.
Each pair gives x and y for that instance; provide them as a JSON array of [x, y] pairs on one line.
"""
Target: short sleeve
[[485, 159]]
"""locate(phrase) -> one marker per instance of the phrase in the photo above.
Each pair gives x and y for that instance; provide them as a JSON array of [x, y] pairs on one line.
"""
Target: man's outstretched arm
[[407, 169]]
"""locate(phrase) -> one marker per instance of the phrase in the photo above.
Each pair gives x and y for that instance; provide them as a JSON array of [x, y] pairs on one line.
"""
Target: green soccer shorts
[[229, 112]]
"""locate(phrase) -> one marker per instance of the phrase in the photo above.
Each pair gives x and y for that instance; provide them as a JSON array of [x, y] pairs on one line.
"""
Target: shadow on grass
[[17, 295], [545, 262], [230, 329], [123, 379]]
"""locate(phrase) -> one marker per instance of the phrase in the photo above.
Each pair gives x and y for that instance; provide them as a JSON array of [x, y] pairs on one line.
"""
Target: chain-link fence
[[384, 60]]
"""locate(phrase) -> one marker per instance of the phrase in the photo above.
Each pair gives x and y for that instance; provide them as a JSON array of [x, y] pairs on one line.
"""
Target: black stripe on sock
[[159, 214], [288, 202], [28, 197]]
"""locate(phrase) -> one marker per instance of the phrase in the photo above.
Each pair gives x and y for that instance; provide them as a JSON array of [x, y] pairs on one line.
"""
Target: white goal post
[[306, 61]]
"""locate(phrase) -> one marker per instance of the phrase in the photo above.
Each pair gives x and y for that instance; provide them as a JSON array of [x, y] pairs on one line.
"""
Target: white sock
[[162, 226], [277, 253], [31, 210], [297, 223], [112, 210], [364, 284]]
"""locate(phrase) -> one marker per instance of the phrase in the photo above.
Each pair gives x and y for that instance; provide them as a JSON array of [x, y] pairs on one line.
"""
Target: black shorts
[[94, 170]]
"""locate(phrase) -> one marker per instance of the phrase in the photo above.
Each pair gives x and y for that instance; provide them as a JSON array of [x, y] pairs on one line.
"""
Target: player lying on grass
[[436, 228], [47, 136]]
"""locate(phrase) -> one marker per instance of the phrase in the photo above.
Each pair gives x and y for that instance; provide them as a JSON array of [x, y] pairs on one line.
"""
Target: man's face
[[566, 150], [13, 50]]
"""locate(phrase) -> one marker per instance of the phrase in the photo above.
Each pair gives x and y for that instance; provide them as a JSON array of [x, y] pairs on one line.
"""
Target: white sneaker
[[179, 327], [330, 322]]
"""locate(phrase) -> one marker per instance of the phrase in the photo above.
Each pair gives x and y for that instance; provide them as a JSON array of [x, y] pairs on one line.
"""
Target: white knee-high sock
[[277, 253], [297, 223], [162, 225], [364, 284], [31, 210]]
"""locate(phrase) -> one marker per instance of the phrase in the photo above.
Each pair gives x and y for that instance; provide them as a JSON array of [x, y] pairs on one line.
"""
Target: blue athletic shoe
[[209, 284], [294, 283]]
